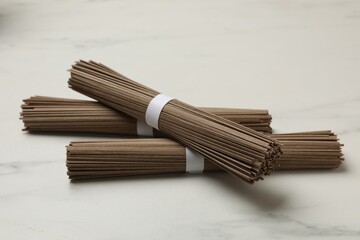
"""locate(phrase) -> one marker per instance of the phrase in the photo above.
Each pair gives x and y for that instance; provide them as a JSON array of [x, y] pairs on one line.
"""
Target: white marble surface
[[299, 59]]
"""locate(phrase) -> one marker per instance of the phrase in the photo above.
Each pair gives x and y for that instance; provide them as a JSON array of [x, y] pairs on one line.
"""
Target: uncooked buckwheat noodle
[[241, 151], [50, 114], [134, 157]]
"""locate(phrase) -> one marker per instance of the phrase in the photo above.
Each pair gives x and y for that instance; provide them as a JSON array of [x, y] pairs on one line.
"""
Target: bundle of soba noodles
[[241, 151], [50, 114], [134, 157]]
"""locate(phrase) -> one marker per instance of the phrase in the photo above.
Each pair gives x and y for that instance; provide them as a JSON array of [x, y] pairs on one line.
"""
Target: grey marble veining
[[299, 59]]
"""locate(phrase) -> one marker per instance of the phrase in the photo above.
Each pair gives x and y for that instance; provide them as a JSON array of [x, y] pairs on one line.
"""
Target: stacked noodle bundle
[[239, 150], [49, 114], [132, 157]]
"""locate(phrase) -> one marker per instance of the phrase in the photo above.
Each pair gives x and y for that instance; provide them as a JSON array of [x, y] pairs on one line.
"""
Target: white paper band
[[142, 129], [194, 162], [154, 109]]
